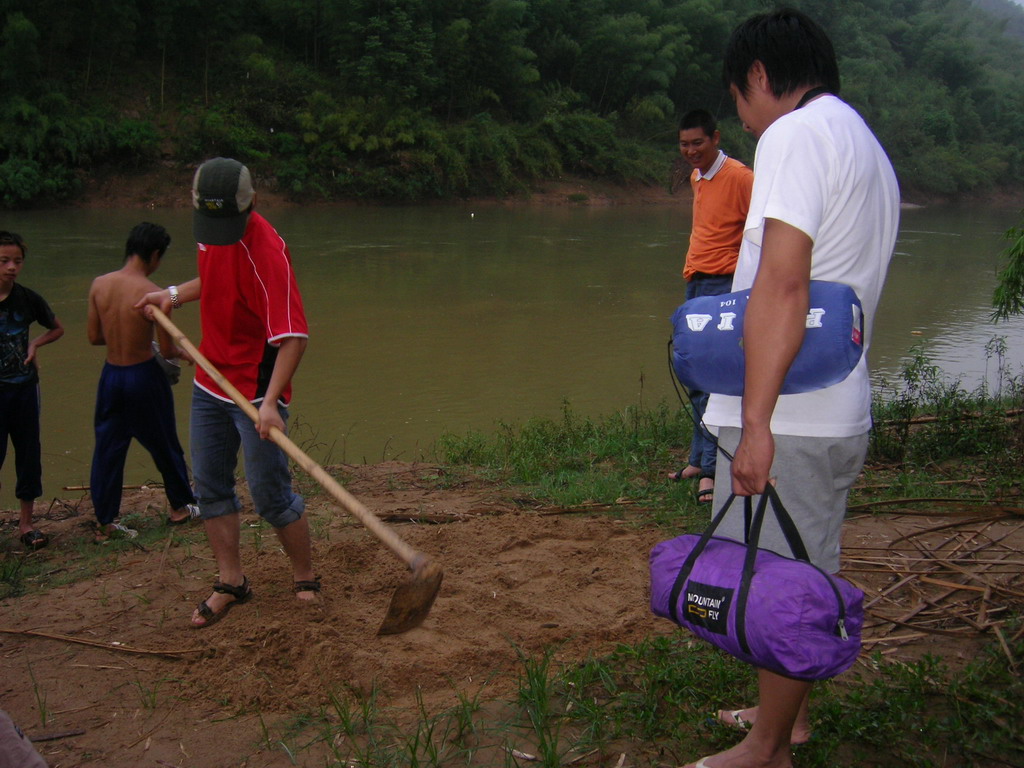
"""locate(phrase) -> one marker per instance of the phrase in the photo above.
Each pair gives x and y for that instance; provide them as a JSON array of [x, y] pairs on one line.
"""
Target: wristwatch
[[175, 301]]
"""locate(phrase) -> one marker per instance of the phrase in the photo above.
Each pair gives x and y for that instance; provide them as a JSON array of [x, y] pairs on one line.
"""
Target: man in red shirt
[[254, 332], [721, 197]]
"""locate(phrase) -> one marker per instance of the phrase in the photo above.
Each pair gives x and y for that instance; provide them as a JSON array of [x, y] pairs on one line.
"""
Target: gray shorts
[[813, 476]]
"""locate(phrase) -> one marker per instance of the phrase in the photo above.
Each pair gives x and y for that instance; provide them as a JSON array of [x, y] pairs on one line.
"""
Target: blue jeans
[[217, 430], [703, 447]]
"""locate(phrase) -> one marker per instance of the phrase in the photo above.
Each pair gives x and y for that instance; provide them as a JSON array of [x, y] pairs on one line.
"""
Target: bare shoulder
[[99, 284], [150, 286], [101, 279]]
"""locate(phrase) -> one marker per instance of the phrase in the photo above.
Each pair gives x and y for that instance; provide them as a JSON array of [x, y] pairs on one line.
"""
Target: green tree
[[392, 51], [19, 54], [1008, 299]]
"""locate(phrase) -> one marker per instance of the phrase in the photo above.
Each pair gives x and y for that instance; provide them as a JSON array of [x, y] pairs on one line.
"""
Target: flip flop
[[736, 722], [113, 532], [193, 514], [34, 539], [242, 594]]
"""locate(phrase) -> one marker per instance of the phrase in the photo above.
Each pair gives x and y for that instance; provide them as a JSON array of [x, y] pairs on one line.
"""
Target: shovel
[[412, 600]]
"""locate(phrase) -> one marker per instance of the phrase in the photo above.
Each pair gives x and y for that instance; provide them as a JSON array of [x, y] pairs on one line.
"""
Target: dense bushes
[[408, 99], [46, 146]]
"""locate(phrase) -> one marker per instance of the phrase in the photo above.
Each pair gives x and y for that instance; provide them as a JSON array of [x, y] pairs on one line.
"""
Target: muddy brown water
[[453, 318]]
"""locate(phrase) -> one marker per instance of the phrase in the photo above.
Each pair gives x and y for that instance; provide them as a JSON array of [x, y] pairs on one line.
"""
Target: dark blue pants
[[135, 401], [703, 447], [19, 421]]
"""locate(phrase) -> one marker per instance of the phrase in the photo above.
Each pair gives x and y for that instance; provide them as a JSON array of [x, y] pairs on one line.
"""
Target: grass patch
[[928, 429], [658, 693], [573, 459], [925, 418], [653, 701], [81, 558]]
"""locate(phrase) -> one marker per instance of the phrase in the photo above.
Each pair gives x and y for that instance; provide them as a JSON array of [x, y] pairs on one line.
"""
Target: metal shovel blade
[[412, 600]]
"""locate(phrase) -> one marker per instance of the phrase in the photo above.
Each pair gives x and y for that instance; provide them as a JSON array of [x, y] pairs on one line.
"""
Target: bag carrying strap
[[684, 571], [753, 525], [786, 524], [796, 544], [748, 513]]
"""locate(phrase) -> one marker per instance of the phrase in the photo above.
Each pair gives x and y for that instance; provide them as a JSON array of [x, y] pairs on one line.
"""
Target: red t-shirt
[[249, 303]]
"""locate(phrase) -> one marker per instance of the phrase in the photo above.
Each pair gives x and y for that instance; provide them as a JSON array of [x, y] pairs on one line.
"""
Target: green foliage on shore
[[414, 100], [922, 420], [1008, 298]]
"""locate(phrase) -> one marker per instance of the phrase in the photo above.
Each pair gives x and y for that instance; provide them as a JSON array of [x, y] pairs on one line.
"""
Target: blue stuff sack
[[778, 613], [707, 341]]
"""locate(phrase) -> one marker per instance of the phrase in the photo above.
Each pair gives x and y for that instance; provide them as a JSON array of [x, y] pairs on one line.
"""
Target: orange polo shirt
[[721, 199]]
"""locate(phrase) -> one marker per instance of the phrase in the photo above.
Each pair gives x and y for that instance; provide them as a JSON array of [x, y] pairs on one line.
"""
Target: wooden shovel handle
[[348, 502]]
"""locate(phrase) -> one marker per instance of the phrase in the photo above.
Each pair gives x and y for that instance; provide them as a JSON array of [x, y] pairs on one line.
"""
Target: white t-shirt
[[821, 170]]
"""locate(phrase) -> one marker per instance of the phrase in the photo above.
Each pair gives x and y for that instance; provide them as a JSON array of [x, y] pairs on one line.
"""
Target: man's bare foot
[[742, 756], [216, 606], [686, 473], [743, 719]]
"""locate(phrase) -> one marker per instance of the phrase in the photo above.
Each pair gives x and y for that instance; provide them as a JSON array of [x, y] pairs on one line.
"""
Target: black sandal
[[242, 594], [677, 476], [34, 539], [307, 586], [705, 496]]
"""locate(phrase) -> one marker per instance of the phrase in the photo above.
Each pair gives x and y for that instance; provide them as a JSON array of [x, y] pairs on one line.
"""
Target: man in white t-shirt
[[825, 206]]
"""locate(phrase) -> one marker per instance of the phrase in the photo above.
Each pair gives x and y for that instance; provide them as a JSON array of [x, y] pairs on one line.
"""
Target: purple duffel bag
[[781, 614]]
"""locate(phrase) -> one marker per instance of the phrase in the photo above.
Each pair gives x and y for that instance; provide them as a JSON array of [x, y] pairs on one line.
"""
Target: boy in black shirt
[[19, 380]]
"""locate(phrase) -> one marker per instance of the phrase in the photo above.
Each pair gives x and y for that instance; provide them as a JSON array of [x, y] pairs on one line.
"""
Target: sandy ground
[[147, 690], [513, 578]]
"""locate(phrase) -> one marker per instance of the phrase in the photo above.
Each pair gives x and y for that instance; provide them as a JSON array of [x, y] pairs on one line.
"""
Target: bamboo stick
[[96, 644]]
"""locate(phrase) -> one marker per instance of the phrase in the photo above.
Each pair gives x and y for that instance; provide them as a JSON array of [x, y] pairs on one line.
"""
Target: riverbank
[[541, 641], [168, 185], [100, 666]]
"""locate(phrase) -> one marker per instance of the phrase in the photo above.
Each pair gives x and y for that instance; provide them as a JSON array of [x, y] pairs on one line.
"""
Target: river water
[[453, 318]]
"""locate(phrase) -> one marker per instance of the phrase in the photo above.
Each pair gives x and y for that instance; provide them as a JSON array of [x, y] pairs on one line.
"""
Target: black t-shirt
[[17, 312]]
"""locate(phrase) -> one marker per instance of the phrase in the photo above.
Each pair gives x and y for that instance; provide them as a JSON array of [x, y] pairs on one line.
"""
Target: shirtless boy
[[134, 398]]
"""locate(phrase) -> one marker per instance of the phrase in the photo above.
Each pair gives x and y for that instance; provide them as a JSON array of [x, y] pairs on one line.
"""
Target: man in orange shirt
[[721, 196]]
